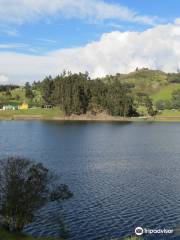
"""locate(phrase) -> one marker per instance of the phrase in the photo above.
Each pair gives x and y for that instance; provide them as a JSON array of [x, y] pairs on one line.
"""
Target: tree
[[176, 99], [8, 93], [149, 106], [17, 97], [163, 104], [28, 91], [48, 90], [25, 187], [119, 100], [71, 93]]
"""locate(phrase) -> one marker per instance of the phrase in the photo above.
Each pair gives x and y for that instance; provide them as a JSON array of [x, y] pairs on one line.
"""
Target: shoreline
[[104, 118]]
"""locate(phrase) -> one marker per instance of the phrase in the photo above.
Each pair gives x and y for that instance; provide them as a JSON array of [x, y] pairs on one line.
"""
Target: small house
[[47, 106], [23, 106], [8, 107]]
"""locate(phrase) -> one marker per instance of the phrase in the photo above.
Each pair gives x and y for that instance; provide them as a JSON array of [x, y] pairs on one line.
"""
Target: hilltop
[[149, 81]]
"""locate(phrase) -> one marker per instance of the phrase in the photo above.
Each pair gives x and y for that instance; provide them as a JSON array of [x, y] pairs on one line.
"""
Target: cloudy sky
[[44, 37]]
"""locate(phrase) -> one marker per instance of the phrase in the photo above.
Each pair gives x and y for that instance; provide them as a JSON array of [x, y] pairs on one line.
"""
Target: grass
[[146, 81], [169, 113], [146, 76], [36, 112], [165, 93], [4, 235]]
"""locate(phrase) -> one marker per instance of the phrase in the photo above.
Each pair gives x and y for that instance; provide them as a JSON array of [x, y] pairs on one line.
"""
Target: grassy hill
[[17, 96], [144, 80], [165, 92], [157, 84]]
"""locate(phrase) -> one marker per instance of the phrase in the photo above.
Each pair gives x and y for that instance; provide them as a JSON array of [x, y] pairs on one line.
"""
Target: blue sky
[[42, 28], [52, 32]]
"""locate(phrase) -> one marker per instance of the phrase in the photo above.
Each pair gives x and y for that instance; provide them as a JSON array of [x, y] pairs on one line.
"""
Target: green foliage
[[149, 106], [118, 95], [163, 104], [28, 91], [77, 94], [18, 95], [72, 93], [119, 100], [174, 77], [25, 187], [5, 235], [4, 88], [176, 99], [47, 90]]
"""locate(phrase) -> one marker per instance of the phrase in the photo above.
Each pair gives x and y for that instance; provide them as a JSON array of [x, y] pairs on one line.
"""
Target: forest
[[78, 94]]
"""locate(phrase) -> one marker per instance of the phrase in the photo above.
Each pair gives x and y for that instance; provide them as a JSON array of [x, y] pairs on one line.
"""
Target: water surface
[[123, 175]]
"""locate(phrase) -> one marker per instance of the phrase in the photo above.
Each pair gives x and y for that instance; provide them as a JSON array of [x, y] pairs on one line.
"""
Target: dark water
[[123, 175]]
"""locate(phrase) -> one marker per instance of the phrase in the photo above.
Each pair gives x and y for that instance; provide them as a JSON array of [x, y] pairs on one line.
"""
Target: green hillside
[[157, 84], [165, 92], [145, 80], [17, 96]]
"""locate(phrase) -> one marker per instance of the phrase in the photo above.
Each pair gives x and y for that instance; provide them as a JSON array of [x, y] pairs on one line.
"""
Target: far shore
[[98, 118]]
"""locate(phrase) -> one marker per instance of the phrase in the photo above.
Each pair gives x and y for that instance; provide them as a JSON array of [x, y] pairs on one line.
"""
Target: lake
[[123, 175]]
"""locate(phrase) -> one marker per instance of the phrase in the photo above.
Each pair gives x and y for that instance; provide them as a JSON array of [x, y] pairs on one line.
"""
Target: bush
[[163, 104], [26, 186]]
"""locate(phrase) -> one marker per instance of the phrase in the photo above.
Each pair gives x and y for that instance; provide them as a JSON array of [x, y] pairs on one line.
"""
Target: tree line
[[6, 88], [78, 94]]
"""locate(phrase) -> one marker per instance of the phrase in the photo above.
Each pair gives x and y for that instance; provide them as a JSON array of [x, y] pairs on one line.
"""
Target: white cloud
[[20, 11], [3, 79], [157, 48], [11, 32], [45, 40], [177, 21], [13, 46]]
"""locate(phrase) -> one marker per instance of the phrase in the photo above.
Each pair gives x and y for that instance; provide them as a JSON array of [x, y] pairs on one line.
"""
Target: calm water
[[123, 175]]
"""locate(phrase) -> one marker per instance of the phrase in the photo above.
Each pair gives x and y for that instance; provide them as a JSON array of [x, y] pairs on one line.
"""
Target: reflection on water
[[123, 175]]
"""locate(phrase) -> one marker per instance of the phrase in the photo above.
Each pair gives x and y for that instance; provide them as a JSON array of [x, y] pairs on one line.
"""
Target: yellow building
[[23, 106]]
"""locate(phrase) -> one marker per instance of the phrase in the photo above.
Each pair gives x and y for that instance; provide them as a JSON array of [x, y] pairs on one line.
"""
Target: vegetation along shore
[[142, 95]]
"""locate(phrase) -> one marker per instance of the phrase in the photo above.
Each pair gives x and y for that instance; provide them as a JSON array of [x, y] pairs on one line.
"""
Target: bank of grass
[[4, 235], [57, 114], [36, 113], [169, 113]]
